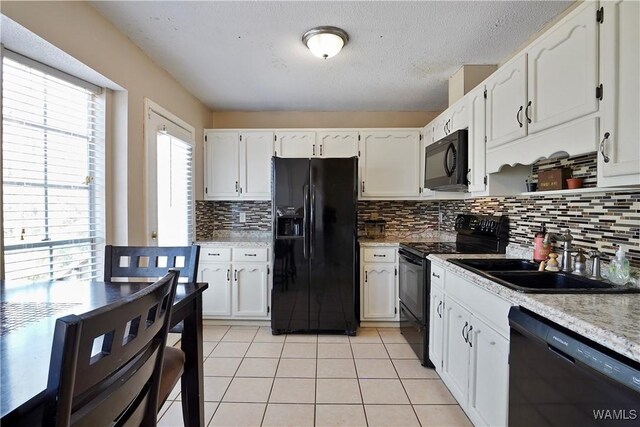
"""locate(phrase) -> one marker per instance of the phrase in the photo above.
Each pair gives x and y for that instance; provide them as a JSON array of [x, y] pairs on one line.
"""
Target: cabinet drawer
[[380, 254], [212, 254], [250, 254], [437, 275]]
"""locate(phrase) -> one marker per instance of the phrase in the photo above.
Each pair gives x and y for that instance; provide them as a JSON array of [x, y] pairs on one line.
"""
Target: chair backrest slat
[[150, 261], [105, 364]]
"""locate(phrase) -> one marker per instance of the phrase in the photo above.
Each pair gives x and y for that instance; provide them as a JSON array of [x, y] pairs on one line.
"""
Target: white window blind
[[53, 174], [175, 203]]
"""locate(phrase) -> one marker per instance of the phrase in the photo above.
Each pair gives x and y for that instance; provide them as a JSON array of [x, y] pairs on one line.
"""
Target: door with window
[[169, 179]]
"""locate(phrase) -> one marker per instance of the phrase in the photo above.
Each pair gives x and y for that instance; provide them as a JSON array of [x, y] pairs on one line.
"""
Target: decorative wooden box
[[554, 179]]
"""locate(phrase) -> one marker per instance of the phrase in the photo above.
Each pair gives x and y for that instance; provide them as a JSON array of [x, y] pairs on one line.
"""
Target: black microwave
[[446, 163]]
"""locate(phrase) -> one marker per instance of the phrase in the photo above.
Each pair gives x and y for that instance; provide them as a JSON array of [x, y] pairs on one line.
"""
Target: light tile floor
[[253, 378]]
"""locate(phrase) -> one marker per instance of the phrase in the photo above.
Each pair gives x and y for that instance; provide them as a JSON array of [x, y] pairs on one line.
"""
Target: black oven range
[[475, 234]]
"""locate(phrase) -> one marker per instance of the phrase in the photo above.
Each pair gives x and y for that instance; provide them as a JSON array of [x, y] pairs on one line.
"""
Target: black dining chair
[[136, 263], [106, 364]]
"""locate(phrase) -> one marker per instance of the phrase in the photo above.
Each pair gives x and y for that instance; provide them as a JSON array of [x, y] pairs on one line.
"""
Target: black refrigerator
[[314, 240]]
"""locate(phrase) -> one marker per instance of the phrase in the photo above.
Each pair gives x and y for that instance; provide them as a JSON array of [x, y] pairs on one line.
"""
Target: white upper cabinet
[[452, 119], [477, 149], [506, 100], [619, 150], [563, 71], [298, 144], [337, 144], [256, 149], [390, 164], [222, 165], [238, 165]]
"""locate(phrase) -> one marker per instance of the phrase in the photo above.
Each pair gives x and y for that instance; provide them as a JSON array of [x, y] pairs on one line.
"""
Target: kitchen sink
[[522, 275], [498, 264]]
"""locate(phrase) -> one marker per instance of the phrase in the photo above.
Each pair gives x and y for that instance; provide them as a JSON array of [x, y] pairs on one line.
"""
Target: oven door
[[412, 286]]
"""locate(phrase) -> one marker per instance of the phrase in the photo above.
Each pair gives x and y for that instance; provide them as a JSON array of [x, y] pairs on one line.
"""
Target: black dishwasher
[[558, 378]]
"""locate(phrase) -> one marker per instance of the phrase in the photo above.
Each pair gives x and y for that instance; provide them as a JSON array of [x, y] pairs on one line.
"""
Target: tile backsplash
[[601, 221], [225, 216], [401, 216]]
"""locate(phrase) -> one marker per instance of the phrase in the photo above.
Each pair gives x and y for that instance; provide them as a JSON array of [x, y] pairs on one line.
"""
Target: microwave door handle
[[450, 149]]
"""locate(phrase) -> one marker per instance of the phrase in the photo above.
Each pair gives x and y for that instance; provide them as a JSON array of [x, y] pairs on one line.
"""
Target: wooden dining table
[[28, 315]]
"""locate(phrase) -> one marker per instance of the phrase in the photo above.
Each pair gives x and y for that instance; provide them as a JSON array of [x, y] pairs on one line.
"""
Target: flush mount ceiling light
[[325, 42]]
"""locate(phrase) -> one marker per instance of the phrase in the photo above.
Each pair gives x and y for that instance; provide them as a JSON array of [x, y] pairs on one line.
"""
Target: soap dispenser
[[619, 272], [540, 250]]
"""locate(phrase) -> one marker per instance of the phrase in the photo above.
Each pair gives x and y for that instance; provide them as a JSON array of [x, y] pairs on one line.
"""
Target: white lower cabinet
[[470, 339], [238, 289], [488, 375], [379, 284], [436, 327], [250, 290], [216, 300]]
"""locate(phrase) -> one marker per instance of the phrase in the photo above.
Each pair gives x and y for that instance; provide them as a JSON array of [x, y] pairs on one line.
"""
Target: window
[[53, 173]]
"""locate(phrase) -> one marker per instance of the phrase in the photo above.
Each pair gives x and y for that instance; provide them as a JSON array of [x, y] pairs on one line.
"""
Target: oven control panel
[[485, 225]]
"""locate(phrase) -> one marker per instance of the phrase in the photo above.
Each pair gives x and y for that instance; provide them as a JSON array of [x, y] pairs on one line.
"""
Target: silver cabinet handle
[[602, 147], [314, 149], [237, 187], [379, 255], [235, 275], [363, 186], [366, 277], [464, 332], [228, 275], [469, 335], [250, 254], [435, 275], [438, 309], [210, 254], [526, 112], [321, 149]]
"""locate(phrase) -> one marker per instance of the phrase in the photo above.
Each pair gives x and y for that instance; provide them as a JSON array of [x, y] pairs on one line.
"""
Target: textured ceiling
[[248, 56]]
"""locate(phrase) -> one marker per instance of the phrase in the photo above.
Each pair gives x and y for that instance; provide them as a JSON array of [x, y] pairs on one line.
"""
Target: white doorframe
[[156, 118]]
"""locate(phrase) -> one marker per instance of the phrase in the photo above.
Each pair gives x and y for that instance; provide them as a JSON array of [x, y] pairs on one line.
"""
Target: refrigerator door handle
[[312, 240], [305, 217]]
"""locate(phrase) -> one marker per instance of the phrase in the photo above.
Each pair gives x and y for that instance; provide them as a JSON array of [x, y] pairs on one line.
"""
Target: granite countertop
[[246, 238], [610, 320], [395, 239]]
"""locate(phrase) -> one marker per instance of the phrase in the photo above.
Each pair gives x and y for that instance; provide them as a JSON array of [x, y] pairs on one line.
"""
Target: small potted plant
[[573, 182]]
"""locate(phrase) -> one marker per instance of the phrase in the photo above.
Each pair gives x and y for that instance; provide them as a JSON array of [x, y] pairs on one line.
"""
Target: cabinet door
[[427, 139], [563, 71], [436, 327], [620, 62], [337, 144], [489, 375], [390, 164], [455, 366], [255, 177], [216, 300], [222, 161], [506, 99], [300, 144], [379, 296], [250, 288], [477, 146], [458, 116], [440, 127]]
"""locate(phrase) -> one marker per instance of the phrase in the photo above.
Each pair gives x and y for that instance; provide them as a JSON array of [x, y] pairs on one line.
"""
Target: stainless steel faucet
[[595, 265], [566, 252]]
